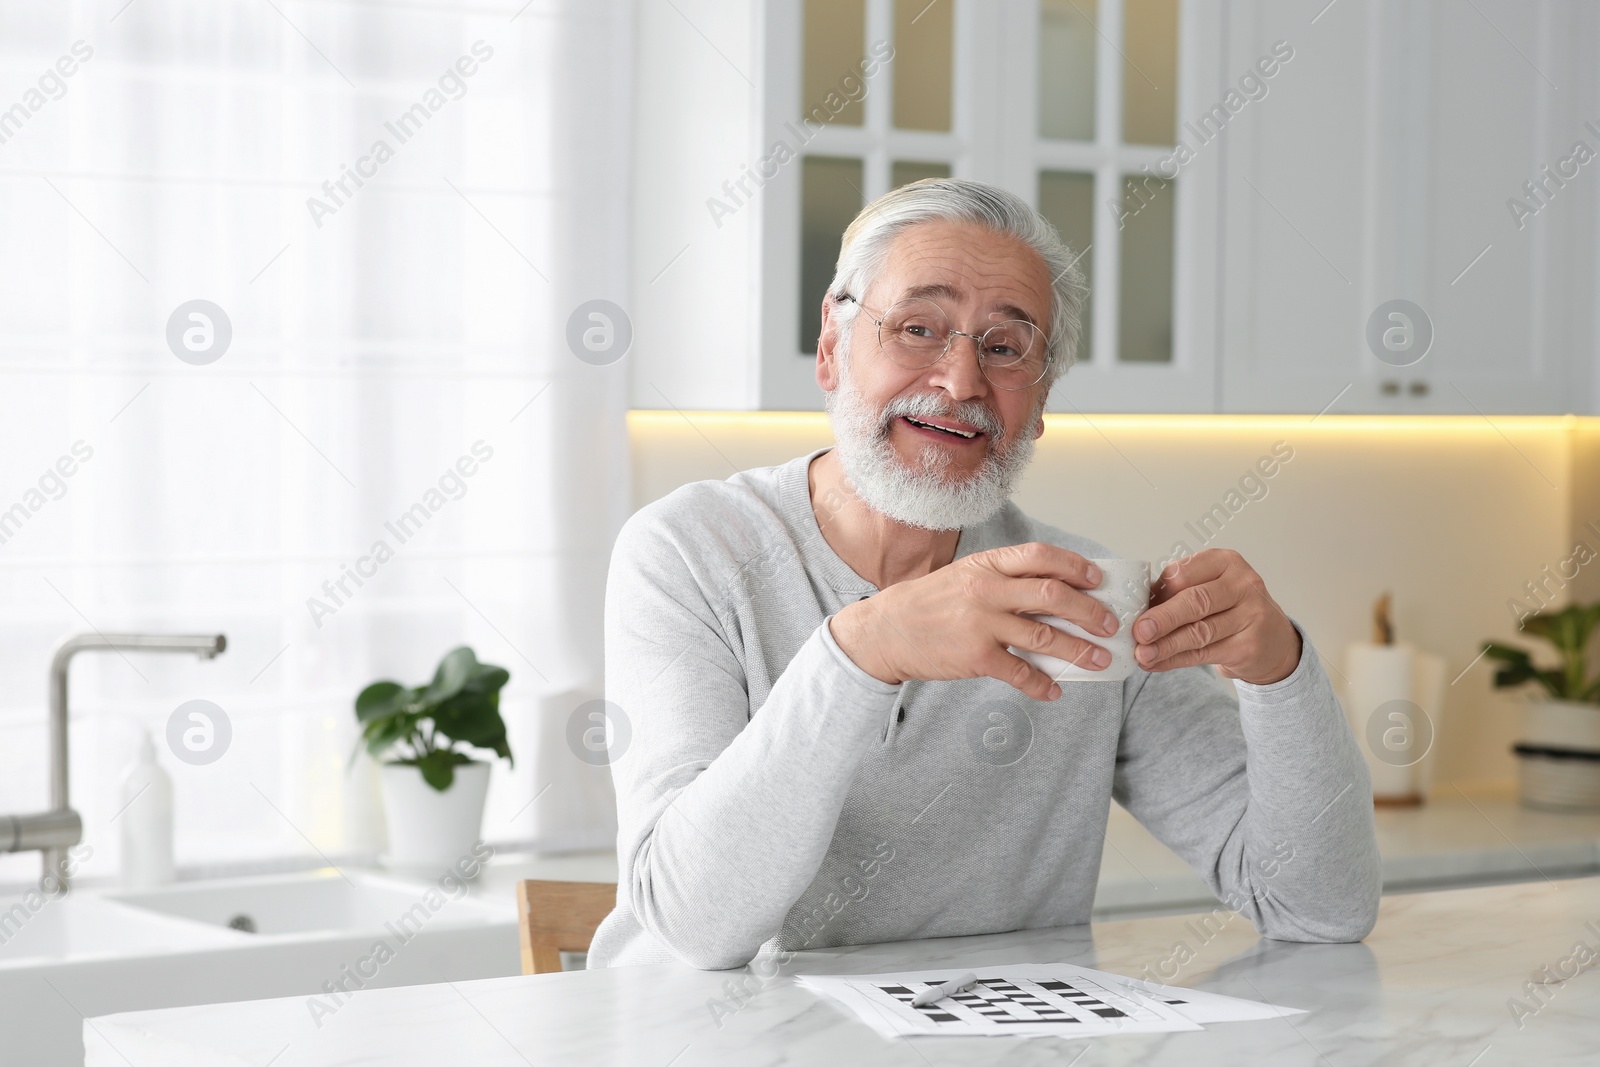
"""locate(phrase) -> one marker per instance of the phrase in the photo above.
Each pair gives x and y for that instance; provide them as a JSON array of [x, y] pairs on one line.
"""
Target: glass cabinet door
[[1071, 104]]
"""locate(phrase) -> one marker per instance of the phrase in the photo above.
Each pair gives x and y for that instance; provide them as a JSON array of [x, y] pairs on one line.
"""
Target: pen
[[937, 993]]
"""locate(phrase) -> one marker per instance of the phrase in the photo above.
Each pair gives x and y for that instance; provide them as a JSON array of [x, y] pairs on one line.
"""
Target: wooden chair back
[[556, 917]]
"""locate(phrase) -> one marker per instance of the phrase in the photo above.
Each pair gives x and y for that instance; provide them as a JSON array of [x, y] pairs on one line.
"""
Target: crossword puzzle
[[1001, 1002], [1026, 1000]]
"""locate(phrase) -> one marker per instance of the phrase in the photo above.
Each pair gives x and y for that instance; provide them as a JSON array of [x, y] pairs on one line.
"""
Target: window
[[391, 334]]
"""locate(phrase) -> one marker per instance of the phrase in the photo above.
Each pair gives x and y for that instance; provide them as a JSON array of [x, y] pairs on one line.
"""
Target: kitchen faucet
[[53, 832]]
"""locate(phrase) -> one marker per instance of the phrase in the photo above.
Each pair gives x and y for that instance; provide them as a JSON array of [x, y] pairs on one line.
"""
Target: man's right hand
[[957, 621]]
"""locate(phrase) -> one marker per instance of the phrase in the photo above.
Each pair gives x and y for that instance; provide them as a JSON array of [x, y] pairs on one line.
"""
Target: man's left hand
[[1212, 607]]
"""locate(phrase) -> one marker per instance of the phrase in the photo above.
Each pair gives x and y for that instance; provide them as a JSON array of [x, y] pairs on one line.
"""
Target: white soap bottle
[[146, 820]]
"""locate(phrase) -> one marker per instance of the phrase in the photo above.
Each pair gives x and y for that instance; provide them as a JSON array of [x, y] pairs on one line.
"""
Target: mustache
[[925, 405]]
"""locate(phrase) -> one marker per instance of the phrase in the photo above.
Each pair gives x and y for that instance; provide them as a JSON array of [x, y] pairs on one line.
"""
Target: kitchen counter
[[1481, 837], [1443, 979], [1474, 838]]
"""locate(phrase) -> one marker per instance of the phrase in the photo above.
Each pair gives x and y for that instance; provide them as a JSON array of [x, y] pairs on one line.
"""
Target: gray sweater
[[771, 793]]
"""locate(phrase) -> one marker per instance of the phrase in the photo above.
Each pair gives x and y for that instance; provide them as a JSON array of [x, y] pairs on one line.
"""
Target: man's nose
[[960, 373]]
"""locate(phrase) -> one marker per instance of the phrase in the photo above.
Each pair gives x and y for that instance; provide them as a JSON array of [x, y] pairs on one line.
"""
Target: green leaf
[[439, 768], [471, 719], [1519, 665], [1539, 625], [381, 734], [487, 678], [1504, 652], [474, 720], [454, 672], [472, 716], [1568, 629], [379, 699]]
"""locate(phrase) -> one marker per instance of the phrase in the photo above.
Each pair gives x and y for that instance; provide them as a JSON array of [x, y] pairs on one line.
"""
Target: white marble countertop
[[1457, 838], [1435, 983]]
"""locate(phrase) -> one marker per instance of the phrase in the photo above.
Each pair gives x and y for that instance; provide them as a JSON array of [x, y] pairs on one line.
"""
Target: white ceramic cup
[[1125, 589]]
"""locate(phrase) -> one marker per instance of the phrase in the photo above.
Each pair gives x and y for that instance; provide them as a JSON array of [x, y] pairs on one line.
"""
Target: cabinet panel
[[1508, 335], [1381, 169], [1295, 191]]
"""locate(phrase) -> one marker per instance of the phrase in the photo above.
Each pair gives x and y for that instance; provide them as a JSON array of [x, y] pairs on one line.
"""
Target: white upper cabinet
[[1374, 258], [1281, 207]]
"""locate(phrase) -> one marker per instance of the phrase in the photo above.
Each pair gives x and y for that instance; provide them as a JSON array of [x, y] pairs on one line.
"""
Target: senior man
[[810, 655]]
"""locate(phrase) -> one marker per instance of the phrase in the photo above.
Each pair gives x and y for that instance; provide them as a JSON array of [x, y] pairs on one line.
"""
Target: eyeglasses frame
[[977, 340]]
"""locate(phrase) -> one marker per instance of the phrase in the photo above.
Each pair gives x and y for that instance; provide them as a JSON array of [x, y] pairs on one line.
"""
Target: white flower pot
[[1561, 724], [429, 830], [1558, 759]]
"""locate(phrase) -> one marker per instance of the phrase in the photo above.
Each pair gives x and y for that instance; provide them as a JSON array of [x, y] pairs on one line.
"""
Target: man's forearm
[[1267, 800], [1309, 856], [721, 851]]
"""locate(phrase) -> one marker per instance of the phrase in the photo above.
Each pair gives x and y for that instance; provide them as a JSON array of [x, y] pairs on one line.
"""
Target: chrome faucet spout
[[55, 830]]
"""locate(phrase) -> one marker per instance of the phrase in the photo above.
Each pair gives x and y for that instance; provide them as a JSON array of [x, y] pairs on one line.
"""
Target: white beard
[[926, 496]]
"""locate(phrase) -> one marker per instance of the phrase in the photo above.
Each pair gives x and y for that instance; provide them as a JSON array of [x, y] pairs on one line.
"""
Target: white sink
[[98, 952], [321, 901], [85, 927]]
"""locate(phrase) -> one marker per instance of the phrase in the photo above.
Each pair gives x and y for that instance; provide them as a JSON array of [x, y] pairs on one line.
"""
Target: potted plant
[[433, 791], [1558, 759]]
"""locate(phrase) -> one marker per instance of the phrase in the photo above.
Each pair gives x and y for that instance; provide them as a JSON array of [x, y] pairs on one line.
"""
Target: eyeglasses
[[916, 334]]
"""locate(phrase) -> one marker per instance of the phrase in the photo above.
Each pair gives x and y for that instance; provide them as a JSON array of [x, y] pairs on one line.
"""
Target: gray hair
[[865, 249]]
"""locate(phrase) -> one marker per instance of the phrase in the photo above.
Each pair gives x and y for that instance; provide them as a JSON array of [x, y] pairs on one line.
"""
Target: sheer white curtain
[[393, 309]]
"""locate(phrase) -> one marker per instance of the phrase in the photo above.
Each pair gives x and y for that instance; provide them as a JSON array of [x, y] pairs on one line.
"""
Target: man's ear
[[827, 343]]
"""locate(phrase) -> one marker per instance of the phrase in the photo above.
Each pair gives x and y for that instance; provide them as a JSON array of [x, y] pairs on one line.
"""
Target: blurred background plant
[[1569, 630], [426, 723]]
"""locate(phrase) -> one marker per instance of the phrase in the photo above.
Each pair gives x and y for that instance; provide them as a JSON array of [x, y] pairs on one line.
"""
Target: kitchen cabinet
[[1430, 153], [1434, 153]]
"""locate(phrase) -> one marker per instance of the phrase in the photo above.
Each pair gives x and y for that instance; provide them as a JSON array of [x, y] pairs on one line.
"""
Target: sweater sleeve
[[1269, 801], [724, 812]]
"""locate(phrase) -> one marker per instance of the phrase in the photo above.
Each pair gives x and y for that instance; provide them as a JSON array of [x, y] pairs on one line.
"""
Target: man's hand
[[957, 621], [1212, 607]]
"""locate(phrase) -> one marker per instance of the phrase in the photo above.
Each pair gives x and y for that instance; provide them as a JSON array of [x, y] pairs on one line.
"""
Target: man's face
[[923, 476]]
